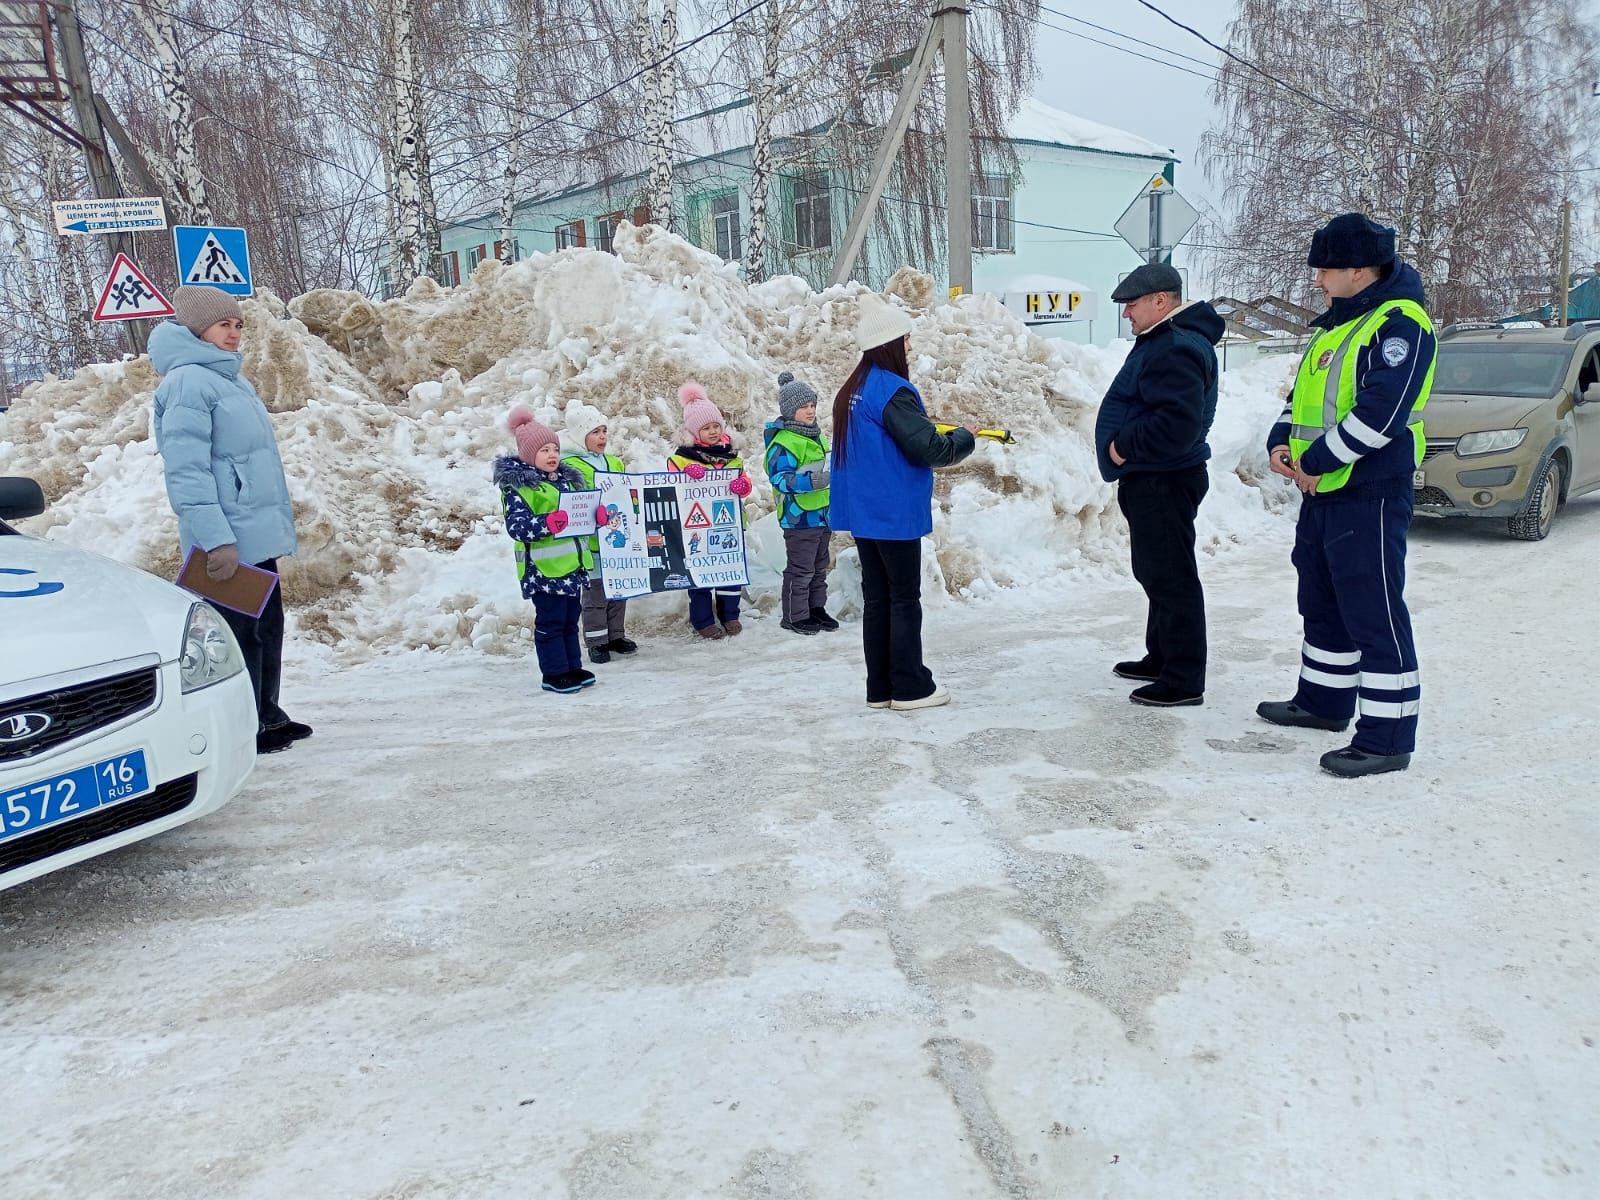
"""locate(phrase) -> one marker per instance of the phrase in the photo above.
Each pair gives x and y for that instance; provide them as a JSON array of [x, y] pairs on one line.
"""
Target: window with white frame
[[569, 235], [475, 255], [605, 231], [813, 215], [992, 227], [725, 226], [450, 268]]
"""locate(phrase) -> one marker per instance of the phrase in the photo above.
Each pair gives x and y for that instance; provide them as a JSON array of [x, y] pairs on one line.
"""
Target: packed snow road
[[715, 929]]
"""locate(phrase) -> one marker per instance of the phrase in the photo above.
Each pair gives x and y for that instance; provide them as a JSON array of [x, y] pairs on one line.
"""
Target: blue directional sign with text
[[215, 255]]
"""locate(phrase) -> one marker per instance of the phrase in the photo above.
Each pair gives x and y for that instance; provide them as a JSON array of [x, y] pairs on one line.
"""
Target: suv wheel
[[1533, 523]]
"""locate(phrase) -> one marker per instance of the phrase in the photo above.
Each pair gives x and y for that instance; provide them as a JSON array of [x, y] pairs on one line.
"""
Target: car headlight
[[1490, 441], [210, 654]]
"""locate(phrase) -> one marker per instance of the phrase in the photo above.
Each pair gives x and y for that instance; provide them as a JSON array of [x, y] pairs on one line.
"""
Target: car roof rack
[[1578, 329], [1456, 327]]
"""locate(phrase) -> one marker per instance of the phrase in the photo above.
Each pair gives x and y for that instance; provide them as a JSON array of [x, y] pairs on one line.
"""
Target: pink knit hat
[[698, 411], [530, 434]]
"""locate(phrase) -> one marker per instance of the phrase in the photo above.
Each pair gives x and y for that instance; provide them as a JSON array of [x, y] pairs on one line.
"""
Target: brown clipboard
[[247, 592]]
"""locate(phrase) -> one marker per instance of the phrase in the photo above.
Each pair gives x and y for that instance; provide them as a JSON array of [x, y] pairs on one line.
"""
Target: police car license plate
[[1418, 479], [62, 797]]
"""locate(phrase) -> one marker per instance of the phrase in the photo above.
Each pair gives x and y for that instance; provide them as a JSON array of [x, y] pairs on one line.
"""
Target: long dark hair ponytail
[[891, 356]]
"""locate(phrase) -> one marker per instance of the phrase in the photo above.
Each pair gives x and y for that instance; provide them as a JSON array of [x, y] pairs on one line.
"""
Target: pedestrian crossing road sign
[[128, 294], [697, 518], [214, 255], [722, 512]]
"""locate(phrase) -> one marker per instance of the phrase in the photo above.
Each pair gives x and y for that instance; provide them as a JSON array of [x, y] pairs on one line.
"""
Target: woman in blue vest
[[884, 452]]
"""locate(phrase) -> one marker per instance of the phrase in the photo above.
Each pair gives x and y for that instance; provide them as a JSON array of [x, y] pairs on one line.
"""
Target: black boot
[[1351, 763], [1143, 670], [270, 741], [1287, 712], [599, 654], [806, 626], [565, 681], [1164, 695], [582, 678], [622, 645], [821, 617]]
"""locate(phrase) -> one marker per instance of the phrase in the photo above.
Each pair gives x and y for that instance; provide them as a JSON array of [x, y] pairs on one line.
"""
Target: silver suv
[[1513, 425]]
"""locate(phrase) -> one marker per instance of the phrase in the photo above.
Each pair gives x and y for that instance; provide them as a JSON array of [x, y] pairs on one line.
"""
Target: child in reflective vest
[[797, 464], [603, 620], [553, 570], [707, 446]]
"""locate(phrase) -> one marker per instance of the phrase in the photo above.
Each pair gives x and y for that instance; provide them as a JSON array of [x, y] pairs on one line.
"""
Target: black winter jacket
[[1160, 406]]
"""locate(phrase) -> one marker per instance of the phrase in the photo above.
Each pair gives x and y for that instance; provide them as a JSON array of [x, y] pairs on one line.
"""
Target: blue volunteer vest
[[877, 492]]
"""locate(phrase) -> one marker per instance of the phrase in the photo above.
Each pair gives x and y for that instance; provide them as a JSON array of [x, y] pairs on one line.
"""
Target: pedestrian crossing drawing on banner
[[214, 256]]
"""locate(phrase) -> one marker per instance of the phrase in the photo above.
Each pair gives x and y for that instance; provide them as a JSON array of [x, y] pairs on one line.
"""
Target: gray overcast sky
[[1113, 87]]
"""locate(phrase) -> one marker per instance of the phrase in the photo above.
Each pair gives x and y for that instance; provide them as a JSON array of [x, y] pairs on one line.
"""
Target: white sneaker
[[939, 696], [879, 703]]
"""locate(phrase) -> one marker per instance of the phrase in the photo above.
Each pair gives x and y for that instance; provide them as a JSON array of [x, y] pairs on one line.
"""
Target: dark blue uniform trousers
[[1358, 658]]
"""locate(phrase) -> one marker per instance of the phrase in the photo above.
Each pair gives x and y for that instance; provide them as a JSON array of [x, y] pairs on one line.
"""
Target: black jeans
[[261, 641], [1160, 507], [891, 621]]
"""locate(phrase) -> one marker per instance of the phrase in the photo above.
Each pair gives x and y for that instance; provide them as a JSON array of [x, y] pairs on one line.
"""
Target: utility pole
[[1564, 284], [947, 29], [957, 145], [102, 174]]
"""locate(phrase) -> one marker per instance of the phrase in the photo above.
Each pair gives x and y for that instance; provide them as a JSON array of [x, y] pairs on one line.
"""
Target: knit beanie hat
[[878, 322], [582, 420], [698, 411], [1352, 240], [197, 307], [530, 434], [793, 394]]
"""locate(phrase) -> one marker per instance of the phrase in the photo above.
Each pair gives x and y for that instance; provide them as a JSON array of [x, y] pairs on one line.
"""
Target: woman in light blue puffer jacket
[[225, 478]]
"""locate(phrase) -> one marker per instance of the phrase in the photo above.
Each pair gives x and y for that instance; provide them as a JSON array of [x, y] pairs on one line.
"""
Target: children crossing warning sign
[[697, 518], [129, 293], [216, 255]]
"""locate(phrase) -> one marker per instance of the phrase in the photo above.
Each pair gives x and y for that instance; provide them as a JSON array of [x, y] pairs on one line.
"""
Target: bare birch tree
[[1454, 121], [407, 138], [188, 182], [766, 103]]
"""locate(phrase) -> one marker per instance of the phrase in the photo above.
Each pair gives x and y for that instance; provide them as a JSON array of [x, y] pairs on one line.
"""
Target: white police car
[[124, 706]]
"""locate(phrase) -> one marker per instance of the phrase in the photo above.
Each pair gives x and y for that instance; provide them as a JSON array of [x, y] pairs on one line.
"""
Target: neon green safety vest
[[586, 468], [1325, 386], [806, 451], [552, 557]]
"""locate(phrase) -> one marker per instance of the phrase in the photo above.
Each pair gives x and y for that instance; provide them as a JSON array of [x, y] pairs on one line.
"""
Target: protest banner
[[667, 532]]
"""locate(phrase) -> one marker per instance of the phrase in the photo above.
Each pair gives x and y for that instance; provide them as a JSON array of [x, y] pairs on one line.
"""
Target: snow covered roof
[[1036, 121]]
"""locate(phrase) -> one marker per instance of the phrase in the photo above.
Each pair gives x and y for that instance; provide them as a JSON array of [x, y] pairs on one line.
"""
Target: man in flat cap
[[1151, 440], [1351, 438]]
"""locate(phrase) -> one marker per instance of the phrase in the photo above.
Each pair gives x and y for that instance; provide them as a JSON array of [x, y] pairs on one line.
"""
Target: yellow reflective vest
[[1325, 386]]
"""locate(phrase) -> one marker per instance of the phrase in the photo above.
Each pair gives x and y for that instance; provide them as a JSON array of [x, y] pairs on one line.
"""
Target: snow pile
[[389, 414]]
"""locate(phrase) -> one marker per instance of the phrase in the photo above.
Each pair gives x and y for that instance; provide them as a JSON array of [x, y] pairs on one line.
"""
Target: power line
[[1092, 234]]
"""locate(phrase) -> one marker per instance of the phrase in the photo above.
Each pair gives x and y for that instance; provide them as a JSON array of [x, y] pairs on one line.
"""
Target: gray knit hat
[[793, 394], [197, 307]]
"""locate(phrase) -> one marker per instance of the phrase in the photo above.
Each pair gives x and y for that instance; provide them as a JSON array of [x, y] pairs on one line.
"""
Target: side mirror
[[1591, 394], [19, 498]]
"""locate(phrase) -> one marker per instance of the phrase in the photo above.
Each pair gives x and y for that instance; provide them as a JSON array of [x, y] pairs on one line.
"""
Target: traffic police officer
[[1351, 438]]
